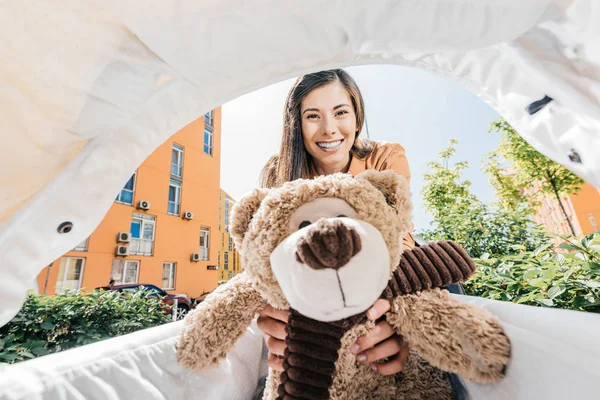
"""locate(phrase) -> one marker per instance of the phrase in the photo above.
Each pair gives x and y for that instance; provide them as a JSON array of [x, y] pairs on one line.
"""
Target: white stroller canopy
[[90, 89]]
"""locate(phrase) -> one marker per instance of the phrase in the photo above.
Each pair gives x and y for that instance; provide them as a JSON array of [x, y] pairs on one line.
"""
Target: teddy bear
[[326, 249]]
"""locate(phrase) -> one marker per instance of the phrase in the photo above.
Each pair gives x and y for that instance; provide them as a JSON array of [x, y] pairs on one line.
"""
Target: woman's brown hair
[[293, 161]]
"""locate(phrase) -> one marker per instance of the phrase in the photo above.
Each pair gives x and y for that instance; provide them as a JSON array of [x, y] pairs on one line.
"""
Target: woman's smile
[[330, 147]]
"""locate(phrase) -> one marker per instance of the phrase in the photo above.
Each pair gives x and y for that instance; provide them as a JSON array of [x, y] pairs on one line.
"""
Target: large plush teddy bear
[[327, 249]]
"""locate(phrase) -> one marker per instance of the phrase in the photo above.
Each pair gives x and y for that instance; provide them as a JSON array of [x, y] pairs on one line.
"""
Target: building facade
[[229, 259], [162, 228], [582, 208]]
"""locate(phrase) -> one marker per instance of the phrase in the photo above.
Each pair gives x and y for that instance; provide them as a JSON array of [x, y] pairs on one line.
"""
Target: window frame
[[60, 289], [227, 208], [172, 275], [83, 248], [177, 185], [179, 149], [209, 119], [118, 198], [208, 132], [144, 220], [204, 229], [123, 271]]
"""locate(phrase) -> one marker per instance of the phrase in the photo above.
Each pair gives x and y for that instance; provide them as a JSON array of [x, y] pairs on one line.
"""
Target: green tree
[[460, 216], [48, 324], [546, 277], [508, 193], [531, 166], [445, 192]]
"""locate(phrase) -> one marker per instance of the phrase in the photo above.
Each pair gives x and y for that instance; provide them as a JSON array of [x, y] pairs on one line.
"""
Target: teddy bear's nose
[[328, 244]]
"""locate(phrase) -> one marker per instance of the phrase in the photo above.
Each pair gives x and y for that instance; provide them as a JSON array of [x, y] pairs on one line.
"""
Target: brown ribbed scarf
[[312, 346]]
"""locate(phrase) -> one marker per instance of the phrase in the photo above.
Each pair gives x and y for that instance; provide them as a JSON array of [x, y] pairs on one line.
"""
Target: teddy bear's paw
[[489, 355], [197, 347]]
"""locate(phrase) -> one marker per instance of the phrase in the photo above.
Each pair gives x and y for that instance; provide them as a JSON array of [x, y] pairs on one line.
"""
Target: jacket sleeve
[[397, 161]]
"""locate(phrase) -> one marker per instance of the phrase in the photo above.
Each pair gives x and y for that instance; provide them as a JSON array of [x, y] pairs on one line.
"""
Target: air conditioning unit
[[188, 215], [123, 237], [121, 251], [143, 205], [195, 257]]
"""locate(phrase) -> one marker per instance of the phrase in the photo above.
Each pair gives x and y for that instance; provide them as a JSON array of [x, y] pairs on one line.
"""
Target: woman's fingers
[[275, 346], [388, 348], [271, 326], [274, 362], [380, 307], [380, 332], [280, 315], [393, 366], [272, 323]]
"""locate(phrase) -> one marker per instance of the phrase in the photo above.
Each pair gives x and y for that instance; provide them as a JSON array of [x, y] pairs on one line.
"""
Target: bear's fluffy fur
[[444, 335]]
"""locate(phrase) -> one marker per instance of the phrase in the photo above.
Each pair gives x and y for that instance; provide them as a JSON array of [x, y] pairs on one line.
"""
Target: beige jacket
[[383, 157]]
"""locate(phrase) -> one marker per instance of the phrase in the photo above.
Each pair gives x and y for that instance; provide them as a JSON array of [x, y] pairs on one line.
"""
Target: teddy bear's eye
[[304, 224]]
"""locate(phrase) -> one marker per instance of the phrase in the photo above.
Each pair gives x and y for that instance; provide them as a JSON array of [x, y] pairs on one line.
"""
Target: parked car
[[184, 304]]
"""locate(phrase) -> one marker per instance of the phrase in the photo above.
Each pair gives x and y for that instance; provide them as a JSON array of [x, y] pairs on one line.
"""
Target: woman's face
[[328, 125]]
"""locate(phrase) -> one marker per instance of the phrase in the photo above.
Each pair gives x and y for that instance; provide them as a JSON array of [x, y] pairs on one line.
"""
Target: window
[[226, 214], [82, 246], [142, 234], [219, 259], [174, 197], [126, 194], [70, 274], [230, 244], [177, 160], [208, 141], [230, 274], [226, 261], [124, 271], [209, 119], [593, 222], [204, 243], [168, 276]]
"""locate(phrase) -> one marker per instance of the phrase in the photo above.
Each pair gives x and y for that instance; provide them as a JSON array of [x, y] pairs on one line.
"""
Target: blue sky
[[409, 106]]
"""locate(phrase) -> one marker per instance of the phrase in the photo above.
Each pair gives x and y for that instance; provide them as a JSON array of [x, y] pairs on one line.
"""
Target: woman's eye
[[311, 116], [304, 224], [342, 216], [342, 112]]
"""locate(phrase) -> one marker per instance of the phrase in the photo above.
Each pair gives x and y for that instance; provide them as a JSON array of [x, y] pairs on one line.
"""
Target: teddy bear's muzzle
[[333, 269], [328, 244]]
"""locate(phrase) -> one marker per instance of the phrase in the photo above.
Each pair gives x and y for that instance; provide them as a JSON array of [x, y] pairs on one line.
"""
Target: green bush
[[48, 324], [568, 277]]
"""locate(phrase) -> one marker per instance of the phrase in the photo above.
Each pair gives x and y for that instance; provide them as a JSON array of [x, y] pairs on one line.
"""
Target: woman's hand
[[380, 343], [272, 323]]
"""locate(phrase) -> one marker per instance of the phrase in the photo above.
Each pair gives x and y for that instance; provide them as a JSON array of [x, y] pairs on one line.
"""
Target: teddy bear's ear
[[242, 213], [396, 190]]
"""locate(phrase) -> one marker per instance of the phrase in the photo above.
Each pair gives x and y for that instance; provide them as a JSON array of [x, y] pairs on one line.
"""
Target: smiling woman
[[323, 118]]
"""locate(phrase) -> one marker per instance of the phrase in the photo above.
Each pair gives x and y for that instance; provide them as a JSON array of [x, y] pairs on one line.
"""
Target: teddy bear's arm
[[451, 335], [212, 328]]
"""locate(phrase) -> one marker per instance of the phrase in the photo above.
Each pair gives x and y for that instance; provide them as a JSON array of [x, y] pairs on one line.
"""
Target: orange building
[[229, 259], [583, 209], [162, 228]]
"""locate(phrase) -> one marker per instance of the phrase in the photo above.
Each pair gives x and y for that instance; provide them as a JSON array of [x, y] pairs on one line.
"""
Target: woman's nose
[[329, 127]]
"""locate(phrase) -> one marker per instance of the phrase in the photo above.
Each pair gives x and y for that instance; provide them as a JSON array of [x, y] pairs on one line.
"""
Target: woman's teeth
[[329, 145]]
